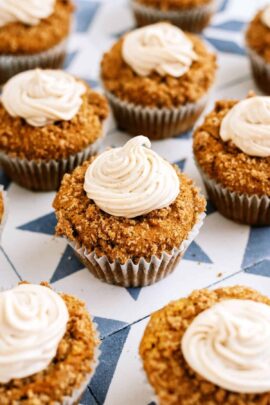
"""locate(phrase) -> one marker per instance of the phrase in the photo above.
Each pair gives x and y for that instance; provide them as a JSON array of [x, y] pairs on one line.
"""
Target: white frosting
[[132, 180], [42, 97], [265, 17], [160, 47], [247, 125], [33, 320], [229, 345], [29, 12]]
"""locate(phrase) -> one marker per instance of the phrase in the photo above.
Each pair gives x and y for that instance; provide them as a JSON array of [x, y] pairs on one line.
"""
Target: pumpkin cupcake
[[3, 209], [129, 214], [232, 150], [190, 15], [33, 34], [49, 346], [258, 48], [157, 80], [212, 347], [50, 122]]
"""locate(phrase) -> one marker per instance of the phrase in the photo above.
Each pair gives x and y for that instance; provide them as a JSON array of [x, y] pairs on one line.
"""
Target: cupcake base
[[138, 274], [260, 70], [44, 175], [155, 123], [243, 208], [11, 65], [194, 20], [4, 217]]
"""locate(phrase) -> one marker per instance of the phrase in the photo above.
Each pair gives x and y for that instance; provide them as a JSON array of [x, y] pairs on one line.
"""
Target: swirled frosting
[[247, 125], [132, 180], [43, 97], [160, 47], [29, 12], [265, 17], [229, 345], [33, 320]]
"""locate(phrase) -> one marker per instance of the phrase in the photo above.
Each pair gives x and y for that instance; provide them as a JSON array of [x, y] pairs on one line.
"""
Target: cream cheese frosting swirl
[[132, 180], [229, 345], [247, 125], [265, 17], [33, 320], [29, 12], [43, 97], [161, 48]]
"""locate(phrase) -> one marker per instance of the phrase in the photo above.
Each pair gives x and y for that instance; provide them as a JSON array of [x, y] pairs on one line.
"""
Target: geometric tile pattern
[[224, 253]]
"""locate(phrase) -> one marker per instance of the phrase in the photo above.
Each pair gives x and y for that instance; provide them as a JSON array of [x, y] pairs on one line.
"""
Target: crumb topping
[[166, 5], [155, 90], [18, 38], [58, 140], [258, 37], [224, 162], [173, 380], [80, 220]]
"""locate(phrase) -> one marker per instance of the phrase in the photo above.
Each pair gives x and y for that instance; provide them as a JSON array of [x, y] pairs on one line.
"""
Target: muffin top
[[232, 146], [166, 5], [184, 336], [35, 26], [258, 34], [49, 114], [127, 203], [158, 66], [62, 334]]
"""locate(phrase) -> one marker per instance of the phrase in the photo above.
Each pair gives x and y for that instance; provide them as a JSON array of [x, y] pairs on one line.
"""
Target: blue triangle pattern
[[226, 46], [69, 264], [85, 14], [92, 83], [88, 398], [181, 164], [45, 224], [196, 254], [134, 292], [223, 5], [260, 269], [107, 327], [258, 246], [232, 25], [69, 59]]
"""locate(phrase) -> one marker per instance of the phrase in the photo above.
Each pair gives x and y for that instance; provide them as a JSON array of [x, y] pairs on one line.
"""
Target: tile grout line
[[11, 264]]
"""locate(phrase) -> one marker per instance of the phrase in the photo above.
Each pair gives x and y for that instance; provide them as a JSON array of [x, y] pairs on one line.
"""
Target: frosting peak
[[229, 345], [42, 97], [132, 180], [247, 125], [160, 47], [33, 320], [265, 17], [29, 12]]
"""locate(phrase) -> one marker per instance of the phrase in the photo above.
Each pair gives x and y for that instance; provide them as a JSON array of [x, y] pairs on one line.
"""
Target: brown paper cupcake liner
[[138, 274], [44, 175], [53, 58], [260, 70], [156, 123], [4, 217], [247, 209], [194, 20]]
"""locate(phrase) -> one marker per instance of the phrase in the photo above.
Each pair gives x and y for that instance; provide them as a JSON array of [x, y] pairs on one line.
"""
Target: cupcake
[[48, 349], [129, 214], [3, 209], [232, 151], [190, 15], [33, 34], [258, 48], [212, 347], [157, 80], [50, 122]]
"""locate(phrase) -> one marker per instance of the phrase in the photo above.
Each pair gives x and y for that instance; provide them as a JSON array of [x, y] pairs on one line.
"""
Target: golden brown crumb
[[224, 162], [165, 5], [1, 207], [173, 380], [258, 37], [80, 220], [67, 371], [155, 90], [18, 38], [58, 140]]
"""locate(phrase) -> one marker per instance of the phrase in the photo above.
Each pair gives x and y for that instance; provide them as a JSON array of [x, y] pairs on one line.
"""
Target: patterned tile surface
[[224, 253]]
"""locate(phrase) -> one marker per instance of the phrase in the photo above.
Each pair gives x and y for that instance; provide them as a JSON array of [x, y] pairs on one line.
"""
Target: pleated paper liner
[[260, 70], [194, 20], [44, 175], [243, 208], [155, 123], [53, 58], [138, 274]]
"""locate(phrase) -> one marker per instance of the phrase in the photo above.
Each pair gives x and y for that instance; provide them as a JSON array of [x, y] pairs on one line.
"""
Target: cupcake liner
[[246, 209], [53, 58], [44, 175], [156, 123], [194, 20], [139, 274], [260, 70], [4, 218]]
